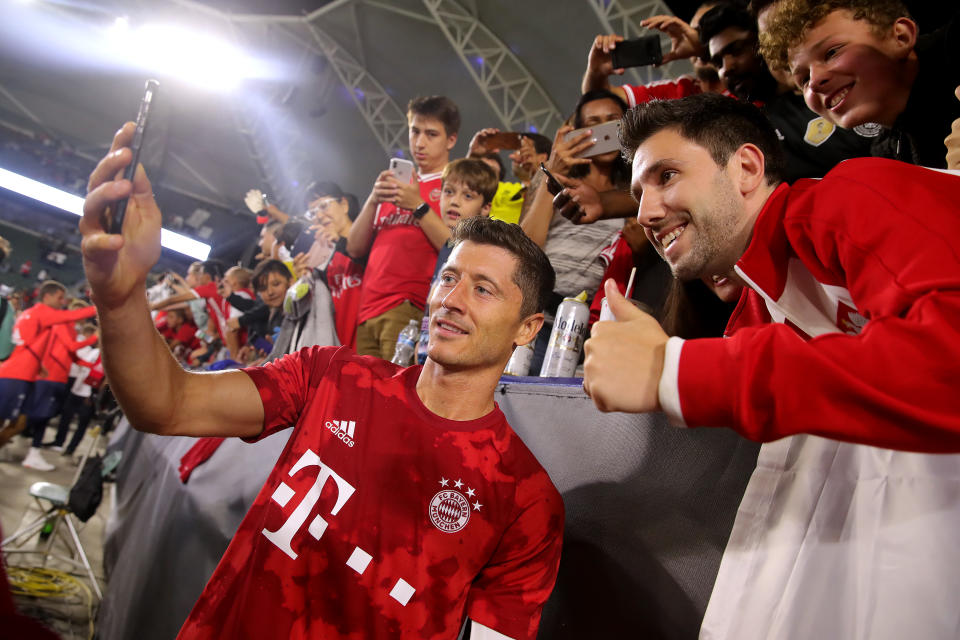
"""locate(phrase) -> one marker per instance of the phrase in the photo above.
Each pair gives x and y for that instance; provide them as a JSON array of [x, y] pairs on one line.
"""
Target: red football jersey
[[401, 258], [62, 352], [215, 305], [618, 257], [381, 519], [664, 90], [344, 277], [33, 338]]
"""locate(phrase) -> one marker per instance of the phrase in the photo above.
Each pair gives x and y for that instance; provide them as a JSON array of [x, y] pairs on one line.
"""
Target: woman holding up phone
[[574, 250]]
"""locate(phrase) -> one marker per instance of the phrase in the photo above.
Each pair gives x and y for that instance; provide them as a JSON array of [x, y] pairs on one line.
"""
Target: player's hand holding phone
[[116, 265], [600, 60]]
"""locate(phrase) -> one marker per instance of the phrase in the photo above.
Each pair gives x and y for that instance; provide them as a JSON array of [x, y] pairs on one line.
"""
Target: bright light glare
[[189, 55], [120, 25], [74, 204]]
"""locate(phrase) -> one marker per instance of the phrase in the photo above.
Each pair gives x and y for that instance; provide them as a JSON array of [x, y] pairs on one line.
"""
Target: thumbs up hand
[[624, 358]]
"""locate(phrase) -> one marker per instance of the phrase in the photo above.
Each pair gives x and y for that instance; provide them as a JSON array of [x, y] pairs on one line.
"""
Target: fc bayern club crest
[[450, 509]]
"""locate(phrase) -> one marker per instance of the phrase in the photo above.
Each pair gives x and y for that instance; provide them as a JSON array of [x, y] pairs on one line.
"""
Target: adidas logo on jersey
[[343, 429]]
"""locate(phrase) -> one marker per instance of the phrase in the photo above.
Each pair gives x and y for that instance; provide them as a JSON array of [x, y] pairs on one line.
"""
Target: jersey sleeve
[[666, 90], [890, 233], [509, 594], [58, 316], [285, 385], [208, 290]]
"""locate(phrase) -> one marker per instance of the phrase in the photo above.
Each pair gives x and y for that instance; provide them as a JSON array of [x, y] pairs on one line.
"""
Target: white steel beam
[[380, 111], [515, 96]]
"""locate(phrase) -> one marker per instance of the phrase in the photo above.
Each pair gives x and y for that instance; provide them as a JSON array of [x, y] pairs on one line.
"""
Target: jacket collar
[[763, 264]]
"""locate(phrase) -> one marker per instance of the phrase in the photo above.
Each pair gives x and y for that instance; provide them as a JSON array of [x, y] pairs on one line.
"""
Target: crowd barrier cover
[[649, 509]]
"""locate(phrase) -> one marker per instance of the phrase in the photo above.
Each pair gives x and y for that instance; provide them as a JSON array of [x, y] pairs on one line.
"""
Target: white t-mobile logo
[[283, 536]]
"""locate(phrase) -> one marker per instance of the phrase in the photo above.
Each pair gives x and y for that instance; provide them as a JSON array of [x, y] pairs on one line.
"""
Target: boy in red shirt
[[399, 230]]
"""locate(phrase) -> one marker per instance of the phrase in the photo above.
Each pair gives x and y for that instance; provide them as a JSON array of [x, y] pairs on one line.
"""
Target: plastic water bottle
[[406, 345], [424, 338]]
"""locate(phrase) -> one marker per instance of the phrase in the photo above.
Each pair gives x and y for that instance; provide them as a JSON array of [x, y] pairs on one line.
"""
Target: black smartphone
[[303, 243], [553, 185], [638, 52], [143, 114]]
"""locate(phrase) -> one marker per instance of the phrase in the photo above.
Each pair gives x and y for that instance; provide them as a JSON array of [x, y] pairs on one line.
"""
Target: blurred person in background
[[507, 203], [79, 401], [50, 387], [334, 212], [32, 337], [8, 312]]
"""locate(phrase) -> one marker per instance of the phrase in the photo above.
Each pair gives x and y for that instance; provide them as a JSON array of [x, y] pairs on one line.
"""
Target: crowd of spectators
[[357, 273], [836, 80]]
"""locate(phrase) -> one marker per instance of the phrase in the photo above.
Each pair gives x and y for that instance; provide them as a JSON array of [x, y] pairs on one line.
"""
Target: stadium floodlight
[[74, 204], [194, 56]]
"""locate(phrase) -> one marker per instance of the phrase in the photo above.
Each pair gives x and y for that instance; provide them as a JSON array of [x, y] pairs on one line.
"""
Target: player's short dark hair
[[719, 124], [441, 108], [543, 144], [534, 273], [263, 271], [475, 174], [49, 286]]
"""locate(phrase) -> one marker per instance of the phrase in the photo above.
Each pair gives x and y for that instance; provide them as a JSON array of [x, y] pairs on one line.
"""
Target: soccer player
[[34, 337], [403, 502]]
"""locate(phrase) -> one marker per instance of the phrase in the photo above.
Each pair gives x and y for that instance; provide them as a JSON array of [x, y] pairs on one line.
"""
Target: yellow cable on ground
[[41, 582]]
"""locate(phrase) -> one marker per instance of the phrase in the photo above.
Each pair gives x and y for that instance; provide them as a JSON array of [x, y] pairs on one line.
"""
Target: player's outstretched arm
[[156, 394]]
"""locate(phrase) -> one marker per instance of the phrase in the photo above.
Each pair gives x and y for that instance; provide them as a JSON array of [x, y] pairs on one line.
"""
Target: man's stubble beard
[[714, 234]]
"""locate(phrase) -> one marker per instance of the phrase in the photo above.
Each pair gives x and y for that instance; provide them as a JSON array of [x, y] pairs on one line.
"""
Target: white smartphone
[[606, 138], [402, 170]]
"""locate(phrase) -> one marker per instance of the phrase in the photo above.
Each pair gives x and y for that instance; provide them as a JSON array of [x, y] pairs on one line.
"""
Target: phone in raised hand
[[402, 170], [143, 116], [606, 138], [508, 140], [553, 185], [638, 52]]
